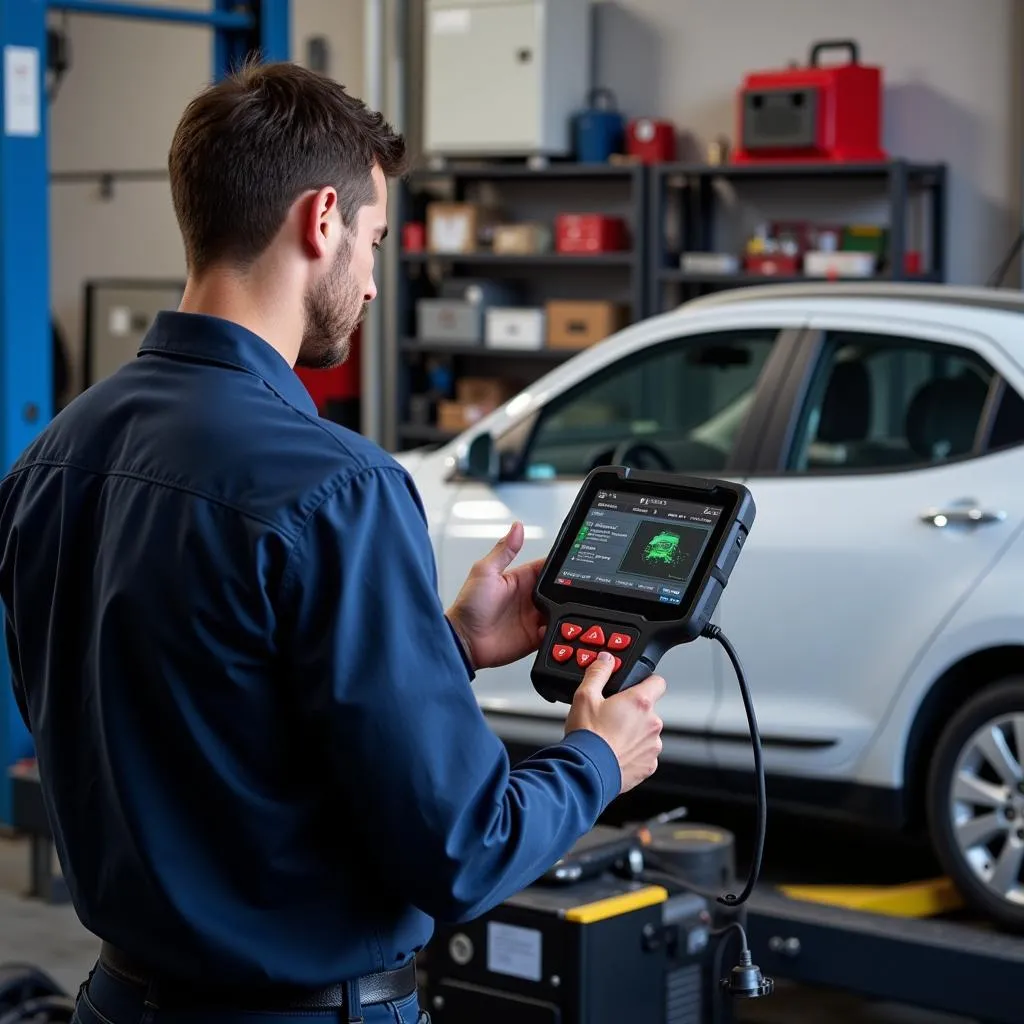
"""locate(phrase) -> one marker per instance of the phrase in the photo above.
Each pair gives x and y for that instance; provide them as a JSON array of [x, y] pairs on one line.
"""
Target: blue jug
[[599, 130]]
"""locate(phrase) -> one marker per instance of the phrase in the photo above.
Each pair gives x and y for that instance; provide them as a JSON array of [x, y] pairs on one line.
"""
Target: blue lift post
[[240, 28]]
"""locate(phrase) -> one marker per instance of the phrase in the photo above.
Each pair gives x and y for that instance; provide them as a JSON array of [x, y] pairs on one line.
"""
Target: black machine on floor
[[28, 995], [597, 941]]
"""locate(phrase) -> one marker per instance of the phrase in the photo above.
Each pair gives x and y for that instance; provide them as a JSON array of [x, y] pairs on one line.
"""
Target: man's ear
[[319, 220]]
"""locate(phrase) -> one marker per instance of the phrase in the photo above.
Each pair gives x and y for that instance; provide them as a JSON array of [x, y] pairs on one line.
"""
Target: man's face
[[336, 302]]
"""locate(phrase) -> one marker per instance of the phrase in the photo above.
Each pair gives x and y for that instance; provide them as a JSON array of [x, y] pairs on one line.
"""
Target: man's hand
[[625, 721], [494, 614]]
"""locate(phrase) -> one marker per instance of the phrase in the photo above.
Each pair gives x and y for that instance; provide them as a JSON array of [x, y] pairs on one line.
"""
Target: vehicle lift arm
[[240, 28]]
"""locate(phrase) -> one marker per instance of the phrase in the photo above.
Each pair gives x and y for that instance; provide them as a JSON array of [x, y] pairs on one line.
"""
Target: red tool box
[[590, 233], [651, 141], [829, 114]]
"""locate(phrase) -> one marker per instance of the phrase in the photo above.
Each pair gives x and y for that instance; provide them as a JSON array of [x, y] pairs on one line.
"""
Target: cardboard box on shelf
[[521, 239], [458, 227], [456, 416], [579, 324], [483, 391]]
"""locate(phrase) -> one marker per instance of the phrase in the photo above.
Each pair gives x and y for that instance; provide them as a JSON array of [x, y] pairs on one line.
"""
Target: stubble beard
[[334, 308]]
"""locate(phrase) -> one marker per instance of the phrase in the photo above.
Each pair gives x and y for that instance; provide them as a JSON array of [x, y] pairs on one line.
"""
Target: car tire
[[975, 802]]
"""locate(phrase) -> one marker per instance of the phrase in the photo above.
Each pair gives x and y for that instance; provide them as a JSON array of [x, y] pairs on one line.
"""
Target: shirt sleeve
[[387, 690]]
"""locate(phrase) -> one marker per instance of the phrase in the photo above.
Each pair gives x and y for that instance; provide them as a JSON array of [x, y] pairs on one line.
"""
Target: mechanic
[[258, 741]]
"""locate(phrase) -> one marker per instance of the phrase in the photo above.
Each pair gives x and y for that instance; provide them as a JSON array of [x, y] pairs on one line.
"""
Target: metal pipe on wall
[[371, 419], [1017, 150], [143, 12], [396, 43], [385, 41]]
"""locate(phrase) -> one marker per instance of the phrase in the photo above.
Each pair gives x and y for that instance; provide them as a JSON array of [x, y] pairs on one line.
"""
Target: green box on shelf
[[865, 238]]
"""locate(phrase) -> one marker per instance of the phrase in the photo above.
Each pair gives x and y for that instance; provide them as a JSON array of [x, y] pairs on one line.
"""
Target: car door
[[887, 496], [679, 404]]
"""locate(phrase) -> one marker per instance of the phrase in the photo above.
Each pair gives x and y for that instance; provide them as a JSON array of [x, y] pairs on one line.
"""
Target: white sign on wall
[[22, 86]]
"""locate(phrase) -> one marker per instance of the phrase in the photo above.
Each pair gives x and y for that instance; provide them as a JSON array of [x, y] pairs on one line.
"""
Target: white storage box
[[511, 327], [821, 263]]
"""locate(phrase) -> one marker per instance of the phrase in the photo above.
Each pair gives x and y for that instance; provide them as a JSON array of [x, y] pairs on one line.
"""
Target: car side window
[[881, 402], [677, 406]]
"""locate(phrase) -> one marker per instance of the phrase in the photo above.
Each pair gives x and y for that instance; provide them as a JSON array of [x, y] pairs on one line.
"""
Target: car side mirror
[[479, 459]]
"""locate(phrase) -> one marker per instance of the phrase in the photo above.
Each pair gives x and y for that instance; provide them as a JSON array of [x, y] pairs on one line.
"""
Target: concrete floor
[[52, 938], [31, 931]]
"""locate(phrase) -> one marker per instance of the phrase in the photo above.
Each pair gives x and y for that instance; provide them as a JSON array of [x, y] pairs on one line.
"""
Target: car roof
[[965, 306], [995, 299]]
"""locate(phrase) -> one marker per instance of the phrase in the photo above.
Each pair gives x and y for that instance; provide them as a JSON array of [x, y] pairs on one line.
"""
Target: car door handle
[[968, 514]]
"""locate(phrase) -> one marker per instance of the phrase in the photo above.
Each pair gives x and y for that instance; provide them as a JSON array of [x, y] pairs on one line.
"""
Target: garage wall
[[951, 71], [953, 82], [952, 77], [116, 111]]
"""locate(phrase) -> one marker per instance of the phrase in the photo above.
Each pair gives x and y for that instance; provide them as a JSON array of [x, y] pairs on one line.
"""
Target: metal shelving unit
[[686, 202], [563, 188], [541, 259], [672, 209], [439, 348]]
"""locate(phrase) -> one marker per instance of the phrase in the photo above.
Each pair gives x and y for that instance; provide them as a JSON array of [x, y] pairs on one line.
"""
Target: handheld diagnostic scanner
[[638, 567]]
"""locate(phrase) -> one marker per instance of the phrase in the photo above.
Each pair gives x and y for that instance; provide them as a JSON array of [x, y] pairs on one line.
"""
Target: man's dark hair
[[248, 146]]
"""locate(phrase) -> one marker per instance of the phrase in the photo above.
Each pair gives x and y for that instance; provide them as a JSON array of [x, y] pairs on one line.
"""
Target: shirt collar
[[209, 339]]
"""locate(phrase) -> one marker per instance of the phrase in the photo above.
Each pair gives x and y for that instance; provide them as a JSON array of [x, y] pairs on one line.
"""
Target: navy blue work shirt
[[256, 730]]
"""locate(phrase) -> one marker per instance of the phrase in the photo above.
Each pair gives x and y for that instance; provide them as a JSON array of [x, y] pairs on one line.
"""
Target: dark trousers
[[106, 999]]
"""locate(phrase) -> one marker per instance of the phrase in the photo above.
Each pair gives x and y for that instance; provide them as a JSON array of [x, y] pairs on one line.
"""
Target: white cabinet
[[504, 77]]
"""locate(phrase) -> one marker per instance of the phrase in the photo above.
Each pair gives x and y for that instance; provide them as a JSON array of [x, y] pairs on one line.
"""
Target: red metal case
[[589, 233], [829, 114]]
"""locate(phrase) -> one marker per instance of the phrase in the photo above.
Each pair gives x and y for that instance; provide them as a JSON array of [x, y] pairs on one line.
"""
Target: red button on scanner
[[561, 652], [619, 641], [584, 658], [594, 635], [618, 663], [570, 630]]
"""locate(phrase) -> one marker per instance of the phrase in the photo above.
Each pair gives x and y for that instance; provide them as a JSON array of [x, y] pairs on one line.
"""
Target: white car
[[878, 606]]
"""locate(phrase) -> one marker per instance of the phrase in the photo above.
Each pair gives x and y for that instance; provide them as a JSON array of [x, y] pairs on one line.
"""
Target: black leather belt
[[383, 987]]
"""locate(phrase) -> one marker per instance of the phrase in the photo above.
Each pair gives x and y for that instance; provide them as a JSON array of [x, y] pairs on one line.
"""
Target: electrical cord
[[722, 934], [745, 980], [713, 632], [995, 279], [660, 872], [729, 899], [58, 56]]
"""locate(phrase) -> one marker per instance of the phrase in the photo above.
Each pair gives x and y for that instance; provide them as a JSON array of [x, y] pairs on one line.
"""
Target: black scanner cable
[[745, 979], [713, 632], [729, 899]]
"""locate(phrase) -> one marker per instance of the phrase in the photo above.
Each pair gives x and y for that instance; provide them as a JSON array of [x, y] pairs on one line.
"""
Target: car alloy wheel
[[988, 813], [976, 802]]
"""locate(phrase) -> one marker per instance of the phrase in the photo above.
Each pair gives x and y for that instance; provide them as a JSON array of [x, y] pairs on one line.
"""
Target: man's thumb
[[504, 552], [597, 675]]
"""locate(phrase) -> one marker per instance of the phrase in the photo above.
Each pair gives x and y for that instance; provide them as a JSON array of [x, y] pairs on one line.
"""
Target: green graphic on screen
[[624, 547], [660, 554], [663, 549], [580, 538]]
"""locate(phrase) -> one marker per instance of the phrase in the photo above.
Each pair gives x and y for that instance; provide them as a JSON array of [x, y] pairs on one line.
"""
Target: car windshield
[[686, 400]]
